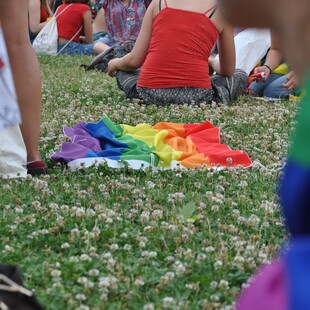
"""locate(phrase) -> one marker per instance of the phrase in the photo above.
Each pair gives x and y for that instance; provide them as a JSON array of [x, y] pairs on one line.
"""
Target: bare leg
[[99, 47], [25, 69]]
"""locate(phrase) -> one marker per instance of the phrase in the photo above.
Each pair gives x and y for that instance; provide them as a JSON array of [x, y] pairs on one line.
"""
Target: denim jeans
[[272, 87], [74, 48]]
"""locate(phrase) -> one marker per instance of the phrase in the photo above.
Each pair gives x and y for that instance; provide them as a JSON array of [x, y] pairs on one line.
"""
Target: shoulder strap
[[214, 7], [56, 16], [159, 5], [166, 4]]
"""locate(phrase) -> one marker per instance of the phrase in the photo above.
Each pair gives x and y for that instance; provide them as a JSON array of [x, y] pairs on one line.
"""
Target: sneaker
[[37, 168]]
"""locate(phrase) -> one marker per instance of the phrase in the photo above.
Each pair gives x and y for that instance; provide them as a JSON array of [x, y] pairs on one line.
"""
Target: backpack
[[13, 295], [46, 42]]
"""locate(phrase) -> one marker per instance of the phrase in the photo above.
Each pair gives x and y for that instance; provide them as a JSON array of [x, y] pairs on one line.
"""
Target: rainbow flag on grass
[[164, 145]]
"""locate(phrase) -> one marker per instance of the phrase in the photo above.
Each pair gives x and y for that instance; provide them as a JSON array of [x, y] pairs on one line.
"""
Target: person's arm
[[88, 30], [273, 58], [136, 57], [227, 53], [34, 16]]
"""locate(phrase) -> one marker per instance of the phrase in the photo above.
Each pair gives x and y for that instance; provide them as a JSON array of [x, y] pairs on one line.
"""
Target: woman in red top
[[174, 48], [74, 25], [39, 13]]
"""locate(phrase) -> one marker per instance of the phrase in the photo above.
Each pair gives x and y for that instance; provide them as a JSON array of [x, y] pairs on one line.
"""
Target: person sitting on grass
[[39, 14], [74, 23], [173, 48], [122, 18], [274, 84]]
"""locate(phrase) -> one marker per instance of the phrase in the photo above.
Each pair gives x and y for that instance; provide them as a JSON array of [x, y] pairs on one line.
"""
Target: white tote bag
[[46, 42]]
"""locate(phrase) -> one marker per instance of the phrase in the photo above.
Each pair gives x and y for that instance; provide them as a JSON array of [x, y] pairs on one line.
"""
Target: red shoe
[[36, 168]]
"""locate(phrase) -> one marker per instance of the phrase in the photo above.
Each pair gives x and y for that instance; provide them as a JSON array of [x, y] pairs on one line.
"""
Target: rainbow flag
[[164, 145]]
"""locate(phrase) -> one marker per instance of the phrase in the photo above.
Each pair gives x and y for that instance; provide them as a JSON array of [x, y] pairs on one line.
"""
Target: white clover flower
[[107, 255], [80, 297], [179, 267], [8, 248], [168, 302], [85, 257], [114, 247], [201, 256], [150, 184], [79, 212], [74, 259], [218, 264], [65, 245], [148, 307], [142, 244], [223, 284], [168, 277], [145, 216], [55, 273], [19, 209], [127, 247], [82, 280], [156, 215], [124, 235], [90, 213], [214, 284], [215, 208], [65, 208], [239, 259], [82, 307], [139, 282], [75, 232], [253, 220], [192, 286], [107, 282], [93, 272], [170, 259], [209, 249], [152, 254]]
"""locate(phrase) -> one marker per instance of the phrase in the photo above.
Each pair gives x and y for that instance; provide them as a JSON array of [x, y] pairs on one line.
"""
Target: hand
[[214, 63], [82, 39], [292, 81], [262, 69], [112, 67]]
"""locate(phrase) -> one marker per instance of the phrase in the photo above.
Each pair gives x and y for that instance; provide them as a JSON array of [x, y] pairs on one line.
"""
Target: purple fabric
[[268, 291], [80, 135]]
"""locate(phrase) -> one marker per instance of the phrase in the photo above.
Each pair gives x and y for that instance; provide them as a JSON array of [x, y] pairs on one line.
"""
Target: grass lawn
[[116, 239]]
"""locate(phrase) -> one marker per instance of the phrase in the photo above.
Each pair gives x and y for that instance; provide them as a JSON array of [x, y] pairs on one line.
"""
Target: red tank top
[[69, 22], [180, 46]]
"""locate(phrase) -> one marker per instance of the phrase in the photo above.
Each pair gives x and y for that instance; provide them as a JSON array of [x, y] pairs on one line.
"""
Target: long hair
[[46, 6]]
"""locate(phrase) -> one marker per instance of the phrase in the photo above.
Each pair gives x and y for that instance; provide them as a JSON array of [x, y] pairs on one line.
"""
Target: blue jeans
[[74, 48], [272, 87]]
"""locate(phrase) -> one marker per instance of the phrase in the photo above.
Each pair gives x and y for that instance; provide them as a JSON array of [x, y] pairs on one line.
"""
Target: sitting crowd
[[182, 53], [175, 42]]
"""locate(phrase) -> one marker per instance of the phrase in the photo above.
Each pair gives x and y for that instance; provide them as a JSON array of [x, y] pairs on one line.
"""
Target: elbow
[[133, 62], [229, 73]]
